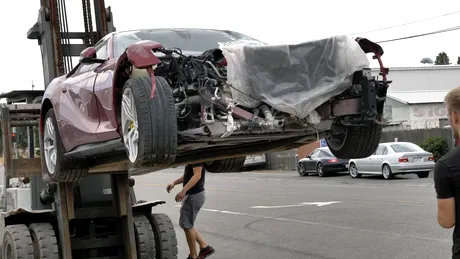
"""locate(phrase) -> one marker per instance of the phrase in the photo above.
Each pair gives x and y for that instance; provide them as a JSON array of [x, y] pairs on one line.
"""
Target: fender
[[141, 55]]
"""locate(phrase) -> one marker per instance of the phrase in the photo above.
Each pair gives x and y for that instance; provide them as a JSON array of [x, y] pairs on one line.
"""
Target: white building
[[416, 95]]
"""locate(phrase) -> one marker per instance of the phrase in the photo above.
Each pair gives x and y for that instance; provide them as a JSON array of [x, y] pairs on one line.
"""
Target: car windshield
[[191, 40], [406, 147]]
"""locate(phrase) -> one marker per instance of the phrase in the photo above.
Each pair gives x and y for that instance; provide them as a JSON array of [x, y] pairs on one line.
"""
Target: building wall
[[426, 115], [423, 78], [395, 111]]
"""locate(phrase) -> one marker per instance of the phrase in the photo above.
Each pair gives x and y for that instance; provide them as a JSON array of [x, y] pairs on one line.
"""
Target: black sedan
[[322, 162]]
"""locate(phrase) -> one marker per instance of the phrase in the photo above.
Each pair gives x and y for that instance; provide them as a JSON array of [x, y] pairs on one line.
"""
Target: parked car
[[394, 158], [322, 162]]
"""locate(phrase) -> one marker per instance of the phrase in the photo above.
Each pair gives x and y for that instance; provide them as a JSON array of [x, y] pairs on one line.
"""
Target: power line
[[404, 24], [421, 35]]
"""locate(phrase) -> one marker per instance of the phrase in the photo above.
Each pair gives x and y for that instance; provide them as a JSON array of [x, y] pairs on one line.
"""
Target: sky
[[288, 21]]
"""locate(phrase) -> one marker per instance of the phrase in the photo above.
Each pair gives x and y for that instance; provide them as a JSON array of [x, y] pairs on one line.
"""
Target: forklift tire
[[353, 142], [17, 243], [225, 165], [155, 120], [145, 239], [165, 236], [66, 170], [44, 241]]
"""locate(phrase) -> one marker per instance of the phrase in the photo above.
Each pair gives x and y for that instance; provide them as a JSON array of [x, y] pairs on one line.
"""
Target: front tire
[[353, 171], [55, 167], [320, 170], [149, 126], [353, 142], [301, 169]]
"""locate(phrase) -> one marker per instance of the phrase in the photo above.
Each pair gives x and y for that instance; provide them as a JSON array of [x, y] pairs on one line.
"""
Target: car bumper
[[337, 167], [412, 168]]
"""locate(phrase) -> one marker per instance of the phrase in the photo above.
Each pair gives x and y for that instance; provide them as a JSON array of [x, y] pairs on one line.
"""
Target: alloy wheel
[[130, 125], [353, 170], [49, 144]]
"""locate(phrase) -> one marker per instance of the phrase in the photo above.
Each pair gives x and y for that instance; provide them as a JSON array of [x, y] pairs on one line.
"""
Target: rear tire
[[149, 126], [423, 174], [386, 172], [225, 165], [353, 142], [56, 167]]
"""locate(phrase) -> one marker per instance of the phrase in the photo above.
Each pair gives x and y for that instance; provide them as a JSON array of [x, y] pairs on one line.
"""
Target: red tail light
[[333, 160], [430, 158], [403, 159]]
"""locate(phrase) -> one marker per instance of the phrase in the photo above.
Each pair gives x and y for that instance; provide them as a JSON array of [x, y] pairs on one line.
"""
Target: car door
[[310, 164], [377, 159], [79, 116], [103, 89]]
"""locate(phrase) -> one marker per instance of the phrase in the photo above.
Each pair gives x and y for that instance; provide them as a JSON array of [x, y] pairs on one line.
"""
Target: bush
[[436, 145]]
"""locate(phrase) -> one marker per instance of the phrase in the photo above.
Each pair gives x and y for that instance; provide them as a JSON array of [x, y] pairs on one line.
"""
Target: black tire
[[423, 174], [165, 236], [388, 176], [66, 170], [145, 238], [353, 165], [44, 241], [157, 123], [353, 142], [226, 165], [17, 243], [301, 169]]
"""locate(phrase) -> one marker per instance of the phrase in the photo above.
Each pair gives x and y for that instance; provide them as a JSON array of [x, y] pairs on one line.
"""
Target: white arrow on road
[[318, 204]]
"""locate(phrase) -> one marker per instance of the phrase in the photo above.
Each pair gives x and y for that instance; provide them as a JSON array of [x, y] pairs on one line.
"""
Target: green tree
[[458, 60], [426, 61], [442, 59]]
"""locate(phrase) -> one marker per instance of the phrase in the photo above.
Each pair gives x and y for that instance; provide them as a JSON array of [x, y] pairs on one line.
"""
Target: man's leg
[[186, 223], [191, 241], [200, 239]]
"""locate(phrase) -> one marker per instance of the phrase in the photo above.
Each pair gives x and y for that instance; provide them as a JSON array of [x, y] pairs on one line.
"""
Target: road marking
[[318, 204], [392, 234]]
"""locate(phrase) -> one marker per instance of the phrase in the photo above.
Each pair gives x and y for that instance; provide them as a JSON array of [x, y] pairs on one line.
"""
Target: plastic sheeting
[[293, 78]]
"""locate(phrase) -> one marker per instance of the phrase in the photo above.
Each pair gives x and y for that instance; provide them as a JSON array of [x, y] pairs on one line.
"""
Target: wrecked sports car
[[165, 97]]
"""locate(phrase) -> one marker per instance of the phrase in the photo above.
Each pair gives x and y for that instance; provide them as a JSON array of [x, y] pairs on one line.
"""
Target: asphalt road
[[373, 218]]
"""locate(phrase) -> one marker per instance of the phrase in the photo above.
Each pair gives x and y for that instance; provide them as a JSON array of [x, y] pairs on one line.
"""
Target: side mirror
[[88, 55]]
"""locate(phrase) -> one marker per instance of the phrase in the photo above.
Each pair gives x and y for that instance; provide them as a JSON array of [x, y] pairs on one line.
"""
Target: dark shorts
[[191, 205]]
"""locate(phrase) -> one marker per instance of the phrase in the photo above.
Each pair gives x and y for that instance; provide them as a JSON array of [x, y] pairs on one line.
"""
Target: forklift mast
[[52, 33]]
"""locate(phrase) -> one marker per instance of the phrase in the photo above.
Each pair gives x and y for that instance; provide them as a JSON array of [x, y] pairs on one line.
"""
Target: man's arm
[[195, 178], [445, 194]]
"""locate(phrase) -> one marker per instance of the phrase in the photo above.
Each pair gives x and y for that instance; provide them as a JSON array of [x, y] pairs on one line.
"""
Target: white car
[[394, 158]]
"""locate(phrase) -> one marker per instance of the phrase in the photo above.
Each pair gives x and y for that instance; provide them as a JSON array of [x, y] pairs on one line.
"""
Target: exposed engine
[[203, 100]]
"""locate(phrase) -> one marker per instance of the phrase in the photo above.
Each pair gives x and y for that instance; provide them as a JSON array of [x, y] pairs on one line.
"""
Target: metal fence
[[284, 160]]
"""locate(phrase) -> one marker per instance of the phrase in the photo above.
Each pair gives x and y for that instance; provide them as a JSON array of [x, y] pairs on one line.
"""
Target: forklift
[[97, 217]]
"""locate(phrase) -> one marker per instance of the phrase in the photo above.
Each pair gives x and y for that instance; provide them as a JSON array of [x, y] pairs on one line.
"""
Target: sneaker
[[205, 252]]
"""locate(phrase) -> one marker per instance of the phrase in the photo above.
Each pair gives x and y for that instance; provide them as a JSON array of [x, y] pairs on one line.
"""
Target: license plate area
[[418, 159]]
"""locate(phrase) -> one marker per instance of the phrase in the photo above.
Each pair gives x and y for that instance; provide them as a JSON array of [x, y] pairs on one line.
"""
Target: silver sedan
[[394, 158]]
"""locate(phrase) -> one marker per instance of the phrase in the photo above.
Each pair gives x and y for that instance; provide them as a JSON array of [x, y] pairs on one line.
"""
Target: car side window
[[314, 154], [101, 51], [379, 150], [385, 151]]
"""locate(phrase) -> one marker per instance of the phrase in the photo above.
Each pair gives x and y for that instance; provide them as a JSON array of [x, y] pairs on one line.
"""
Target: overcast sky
[[287, 21]]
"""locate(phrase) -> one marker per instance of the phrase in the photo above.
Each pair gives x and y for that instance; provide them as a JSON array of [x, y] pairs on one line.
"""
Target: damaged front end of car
[[246, 91]]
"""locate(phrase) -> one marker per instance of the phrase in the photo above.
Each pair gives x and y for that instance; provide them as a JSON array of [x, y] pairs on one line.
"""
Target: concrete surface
[[373, 218]]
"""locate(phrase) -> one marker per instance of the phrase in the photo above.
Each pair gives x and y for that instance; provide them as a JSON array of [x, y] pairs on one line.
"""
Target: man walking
[[447, 176], [192, 197]]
